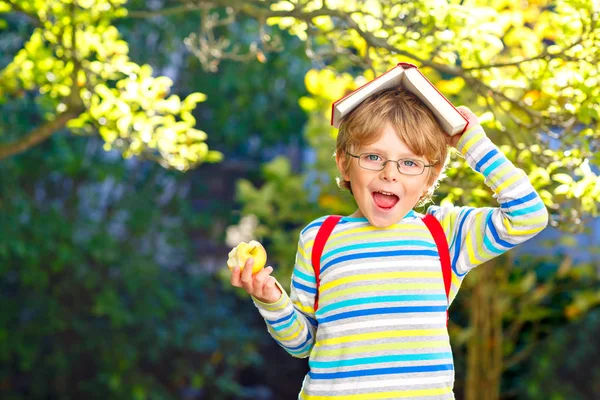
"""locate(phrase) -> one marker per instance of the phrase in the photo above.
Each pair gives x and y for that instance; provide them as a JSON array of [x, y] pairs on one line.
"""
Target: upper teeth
[[387, 193]]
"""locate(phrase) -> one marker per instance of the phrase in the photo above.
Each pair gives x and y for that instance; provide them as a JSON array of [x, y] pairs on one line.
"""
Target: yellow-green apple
[[240, 253]]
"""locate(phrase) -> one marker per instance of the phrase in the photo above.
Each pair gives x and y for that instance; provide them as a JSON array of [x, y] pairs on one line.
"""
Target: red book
[[408, 77]]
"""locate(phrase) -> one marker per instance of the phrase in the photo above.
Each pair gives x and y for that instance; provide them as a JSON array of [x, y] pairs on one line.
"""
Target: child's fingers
[[270, 289], [235, 278], [469, 115], [246, 276], [260, 278]]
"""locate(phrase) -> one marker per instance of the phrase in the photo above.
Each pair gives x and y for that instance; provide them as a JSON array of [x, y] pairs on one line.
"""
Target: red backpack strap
[[439, 237], [320, 240]]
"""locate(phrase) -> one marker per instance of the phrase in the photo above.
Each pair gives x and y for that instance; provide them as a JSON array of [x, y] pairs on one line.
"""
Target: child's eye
[[373, 157], [410, 163]]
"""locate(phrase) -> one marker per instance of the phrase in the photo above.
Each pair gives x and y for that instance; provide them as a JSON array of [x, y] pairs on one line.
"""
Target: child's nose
[[390, 171]]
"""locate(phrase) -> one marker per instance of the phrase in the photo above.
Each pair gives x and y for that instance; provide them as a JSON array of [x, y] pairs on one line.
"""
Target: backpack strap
[[430, 221], [317, 250], [439, 237]]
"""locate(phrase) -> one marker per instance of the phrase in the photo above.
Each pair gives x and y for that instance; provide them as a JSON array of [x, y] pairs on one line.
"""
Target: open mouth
[[385, 200]]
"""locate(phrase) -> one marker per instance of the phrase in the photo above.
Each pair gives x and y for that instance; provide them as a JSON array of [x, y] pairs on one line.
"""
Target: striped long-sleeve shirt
[[380, 329]]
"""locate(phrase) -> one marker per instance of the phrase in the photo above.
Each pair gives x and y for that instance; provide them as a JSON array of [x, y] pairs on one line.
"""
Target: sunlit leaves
[[131, 109], [537, 65], [538, 55]]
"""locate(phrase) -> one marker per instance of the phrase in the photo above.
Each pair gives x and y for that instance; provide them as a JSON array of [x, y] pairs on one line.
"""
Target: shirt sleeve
[[476, 235], [291, 320]]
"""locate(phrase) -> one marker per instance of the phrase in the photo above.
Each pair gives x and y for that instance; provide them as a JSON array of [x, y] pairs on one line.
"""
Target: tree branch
[[32, 17], [164, 12], [38, 135]]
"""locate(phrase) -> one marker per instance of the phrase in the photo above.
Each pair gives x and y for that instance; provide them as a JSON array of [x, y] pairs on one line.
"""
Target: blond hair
[[414, 123]]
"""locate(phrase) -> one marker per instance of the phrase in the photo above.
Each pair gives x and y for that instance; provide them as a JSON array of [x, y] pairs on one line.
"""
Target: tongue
[[385, 201]]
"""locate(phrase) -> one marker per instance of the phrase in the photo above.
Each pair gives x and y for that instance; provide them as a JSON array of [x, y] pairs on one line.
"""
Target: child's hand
[[260, 286], [472, 121]]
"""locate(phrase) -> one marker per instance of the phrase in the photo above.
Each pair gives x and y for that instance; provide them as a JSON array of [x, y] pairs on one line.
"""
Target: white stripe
[[369, 266], [437, 322], [303, 297], [274, 315], [297, 341], [399, 380]]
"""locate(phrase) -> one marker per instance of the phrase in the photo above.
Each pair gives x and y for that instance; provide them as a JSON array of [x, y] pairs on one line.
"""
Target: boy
[[380, 328]]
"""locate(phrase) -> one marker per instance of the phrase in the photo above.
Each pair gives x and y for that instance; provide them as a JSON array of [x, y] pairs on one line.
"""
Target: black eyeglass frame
[[386, 161]]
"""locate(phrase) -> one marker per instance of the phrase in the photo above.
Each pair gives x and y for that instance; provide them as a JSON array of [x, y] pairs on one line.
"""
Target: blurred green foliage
[[101, 296], [78, 62], [103, 293]]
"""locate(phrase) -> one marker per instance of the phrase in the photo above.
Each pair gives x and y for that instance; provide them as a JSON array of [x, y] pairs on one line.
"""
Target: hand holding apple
[[243, 251], [246, 262]]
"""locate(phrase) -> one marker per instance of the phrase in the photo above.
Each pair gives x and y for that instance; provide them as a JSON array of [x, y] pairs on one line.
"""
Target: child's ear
[[340, 160]]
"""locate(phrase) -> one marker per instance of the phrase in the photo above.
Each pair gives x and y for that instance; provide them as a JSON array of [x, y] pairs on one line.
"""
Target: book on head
[[408, 77]]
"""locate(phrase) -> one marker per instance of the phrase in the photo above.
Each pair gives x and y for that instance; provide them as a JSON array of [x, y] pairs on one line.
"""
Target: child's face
[[407, 189]]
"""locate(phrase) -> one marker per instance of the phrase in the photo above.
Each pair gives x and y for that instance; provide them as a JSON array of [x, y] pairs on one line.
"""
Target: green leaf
[[563, 178]]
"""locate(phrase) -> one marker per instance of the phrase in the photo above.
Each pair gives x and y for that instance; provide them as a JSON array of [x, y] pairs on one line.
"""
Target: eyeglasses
[[406, 166]]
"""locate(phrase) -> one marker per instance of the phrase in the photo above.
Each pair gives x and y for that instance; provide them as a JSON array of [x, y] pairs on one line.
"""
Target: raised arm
[[476, 235]]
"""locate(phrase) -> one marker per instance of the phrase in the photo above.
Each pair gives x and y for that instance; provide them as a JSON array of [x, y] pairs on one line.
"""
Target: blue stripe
[[531, 209], [382, 299], [394, 243], [306, 277], [380, 254], [501, 242], [379, 311], [458, 242], [304, 287], [286, 325], [291, 349], [380, 359], [490, 246], [280, 320], [381, 371], [492, 166], [318, 222], [486, 241], [519, 201], [485, 159]]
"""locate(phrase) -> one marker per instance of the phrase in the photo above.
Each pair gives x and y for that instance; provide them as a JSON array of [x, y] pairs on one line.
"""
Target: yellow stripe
[[381, 395], [303, 253], [507, 183], [448, 221], [499, 174], [380, 335], [377, 288], [372, 231], [519, 221], [471, 142], [310, 310], [306, 266], [292, 335], [378, 235], [346, 351], [380, 276], [469, 243], [456, 281], [518, 232]]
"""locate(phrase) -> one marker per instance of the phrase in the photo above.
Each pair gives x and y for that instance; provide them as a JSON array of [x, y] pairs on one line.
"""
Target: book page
[[449, 118], [390, 79]]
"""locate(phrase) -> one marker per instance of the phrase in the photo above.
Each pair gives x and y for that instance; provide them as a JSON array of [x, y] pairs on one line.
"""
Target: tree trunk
[[484, 349]]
